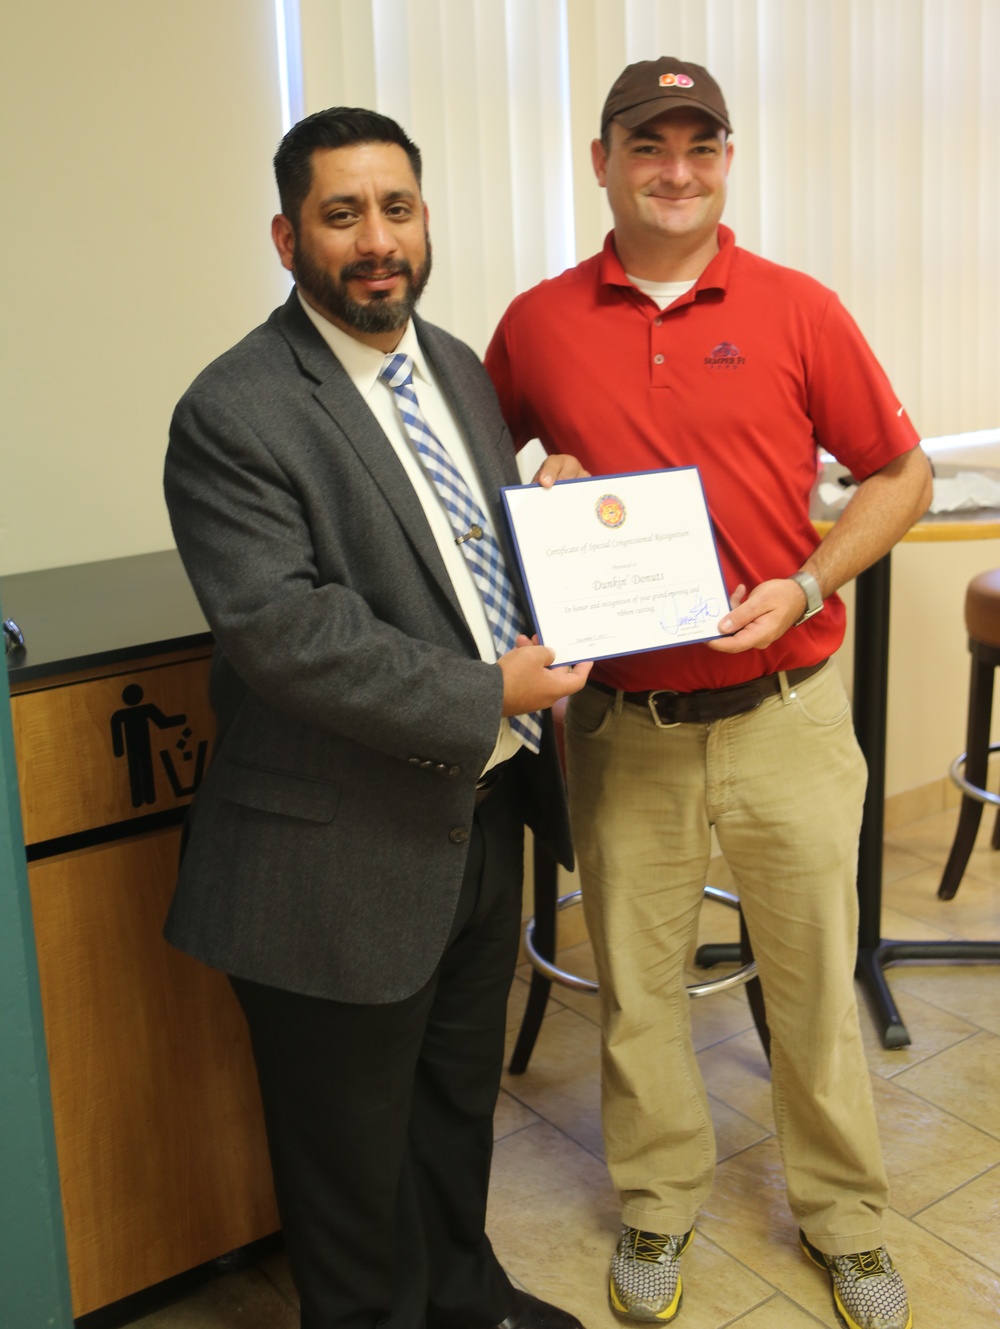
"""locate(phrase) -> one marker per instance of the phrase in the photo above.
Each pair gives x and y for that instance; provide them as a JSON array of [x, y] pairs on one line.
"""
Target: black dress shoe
[[530, 1313]]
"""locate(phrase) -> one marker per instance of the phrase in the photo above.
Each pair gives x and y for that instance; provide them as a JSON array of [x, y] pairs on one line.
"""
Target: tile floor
[[553, 1215]]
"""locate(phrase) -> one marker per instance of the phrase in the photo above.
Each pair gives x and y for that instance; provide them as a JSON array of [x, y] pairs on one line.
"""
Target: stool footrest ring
[[578, 984], [972, 790]]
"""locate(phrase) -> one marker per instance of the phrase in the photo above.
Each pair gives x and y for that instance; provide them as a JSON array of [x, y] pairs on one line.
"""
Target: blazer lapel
[[344, 404]]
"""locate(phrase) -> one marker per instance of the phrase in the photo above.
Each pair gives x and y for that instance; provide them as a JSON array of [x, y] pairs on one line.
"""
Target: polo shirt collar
[[714, 278]]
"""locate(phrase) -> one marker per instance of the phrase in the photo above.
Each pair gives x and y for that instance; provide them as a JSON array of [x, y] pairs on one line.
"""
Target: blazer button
[[426, 765], [441, 768], [458, 835], [454, 770]]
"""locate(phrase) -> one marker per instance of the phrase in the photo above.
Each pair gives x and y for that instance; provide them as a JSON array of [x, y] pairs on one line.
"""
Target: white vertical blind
[[867, 138]]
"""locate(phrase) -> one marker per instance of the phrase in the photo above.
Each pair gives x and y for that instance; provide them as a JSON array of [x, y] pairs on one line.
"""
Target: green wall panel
[[34, 1282]]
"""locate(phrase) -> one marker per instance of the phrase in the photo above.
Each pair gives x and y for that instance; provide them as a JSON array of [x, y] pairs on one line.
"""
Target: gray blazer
[[327, 844]]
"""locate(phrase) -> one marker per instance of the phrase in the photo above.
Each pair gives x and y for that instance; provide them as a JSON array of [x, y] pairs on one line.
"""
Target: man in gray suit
[[354, 855]]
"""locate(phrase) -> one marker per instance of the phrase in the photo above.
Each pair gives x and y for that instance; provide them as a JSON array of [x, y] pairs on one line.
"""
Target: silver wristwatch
[[812, 592]]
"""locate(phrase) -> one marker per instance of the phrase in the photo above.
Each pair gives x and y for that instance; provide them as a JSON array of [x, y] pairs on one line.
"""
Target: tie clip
[[473, 533]]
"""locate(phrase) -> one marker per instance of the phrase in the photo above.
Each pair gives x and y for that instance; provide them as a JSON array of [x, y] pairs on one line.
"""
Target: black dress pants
[[380, 1117]]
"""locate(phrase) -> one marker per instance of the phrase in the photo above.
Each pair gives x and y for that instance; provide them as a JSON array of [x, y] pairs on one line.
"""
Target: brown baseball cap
[[651, 87]]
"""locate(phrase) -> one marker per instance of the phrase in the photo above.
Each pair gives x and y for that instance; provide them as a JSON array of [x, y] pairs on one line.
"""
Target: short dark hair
[[337, 127], [606, 135]]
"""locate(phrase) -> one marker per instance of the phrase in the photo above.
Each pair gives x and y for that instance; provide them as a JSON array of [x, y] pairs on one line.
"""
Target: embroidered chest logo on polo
[[725, 356]]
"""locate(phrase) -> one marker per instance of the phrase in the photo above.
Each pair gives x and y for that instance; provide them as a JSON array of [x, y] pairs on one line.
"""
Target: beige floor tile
[[947, 1289], [930, 1028], [519, 995], [898, 861], [562, 1082], [970, 991], [717, 1288], [736, 1072], [984, 865], [777, 1313], [562, 1087], [928, 1152], [510, 1116], [579, 960], [554, 1222], [969, 1219], [973, 913], [747, 1215], [933, 834], [733, 1131], [242, 1300], [932, 837], [964, 1080], [719, 1017], [907, 927]]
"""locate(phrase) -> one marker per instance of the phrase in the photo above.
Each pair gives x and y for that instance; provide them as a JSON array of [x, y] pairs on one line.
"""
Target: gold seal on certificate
[[616, 564]]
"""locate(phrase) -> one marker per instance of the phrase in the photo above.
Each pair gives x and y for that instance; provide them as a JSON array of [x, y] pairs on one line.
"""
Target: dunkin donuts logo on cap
[[678, 80]]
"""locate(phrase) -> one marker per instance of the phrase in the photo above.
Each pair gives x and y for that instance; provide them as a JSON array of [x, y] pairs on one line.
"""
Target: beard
[[380, 312]]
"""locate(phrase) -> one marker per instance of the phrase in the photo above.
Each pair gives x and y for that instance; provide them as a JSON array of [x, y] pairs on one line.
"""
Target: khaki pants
[[783, 786]]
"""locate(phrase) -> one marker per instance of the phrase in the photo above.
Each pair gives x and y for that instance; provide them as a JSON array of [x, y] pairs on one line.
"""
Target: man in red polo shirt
[[674, 347]]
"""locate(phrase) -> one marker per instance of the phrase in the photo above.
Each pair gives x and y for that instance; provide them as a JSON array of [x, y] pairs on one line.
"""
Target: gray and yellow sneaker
[[868, 1292], [646, 1275]]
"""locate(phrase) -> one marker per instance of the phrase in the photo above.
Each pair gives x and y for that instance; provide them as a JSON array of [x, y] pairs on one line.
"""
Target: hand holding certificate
[[617, 564]]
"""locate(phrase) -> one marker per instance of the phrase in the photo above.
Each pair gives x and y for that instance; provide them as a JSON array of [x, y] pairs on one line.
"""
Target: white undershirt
[[664, 293], [362, 364]]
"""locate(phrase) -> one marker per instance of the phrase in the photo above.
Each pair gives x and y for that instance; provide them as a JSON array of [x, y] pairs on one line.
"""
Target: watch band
[[814, 595]]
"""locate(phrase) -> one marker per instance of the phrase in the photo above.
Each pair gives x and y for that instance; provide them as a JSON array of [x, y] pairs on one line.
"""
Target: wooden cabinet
[[162, 1154], [95, 749]]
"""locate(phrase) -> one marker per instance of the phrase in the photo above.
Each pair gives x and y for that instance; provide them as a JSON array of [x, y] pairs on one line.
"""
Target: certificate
[[616, 564]]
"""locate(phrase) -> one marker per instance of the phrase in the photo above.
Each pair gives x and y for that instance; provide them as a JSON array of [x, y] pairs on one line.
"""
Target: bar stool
[[540, 945], [968, 770]]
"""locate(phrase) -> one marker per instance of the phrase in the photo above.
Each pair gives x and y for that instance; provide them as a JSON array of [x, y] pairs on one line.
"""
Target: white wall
[[135, 140]]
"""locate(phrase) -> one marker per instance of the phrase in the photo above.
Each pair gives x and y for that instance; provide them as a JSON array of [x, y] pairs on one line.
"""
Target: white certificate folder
[[618, 564]]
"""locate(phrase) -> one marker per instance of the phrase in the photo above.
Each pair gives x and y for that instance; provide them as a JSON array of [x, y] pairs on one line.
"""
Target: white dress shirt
[[362, 364]]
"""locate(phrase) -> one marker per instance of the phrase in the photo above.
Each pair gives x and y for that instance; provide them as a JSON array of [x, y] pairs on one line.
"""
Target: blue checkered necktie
[[482, 553]]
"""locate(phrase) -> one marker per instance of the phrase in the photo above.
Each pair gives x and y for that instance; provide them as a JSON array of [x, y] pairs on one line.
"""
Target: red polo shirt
[[745, 376]]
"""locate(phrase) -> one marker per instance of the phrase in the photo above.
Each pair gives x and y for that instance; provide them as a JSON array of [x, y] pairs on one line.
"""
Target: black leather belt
[[670, 708]]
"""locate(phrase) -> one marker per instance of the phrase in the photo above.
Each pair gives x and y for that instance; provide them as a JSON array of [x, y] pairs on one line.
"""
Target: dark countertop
[[100, 613]]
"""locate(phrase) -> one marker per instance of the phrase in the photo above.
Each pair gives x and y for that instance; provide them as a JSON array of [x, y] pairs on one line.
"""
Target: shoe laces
[[864, 1264], [653, 1247]]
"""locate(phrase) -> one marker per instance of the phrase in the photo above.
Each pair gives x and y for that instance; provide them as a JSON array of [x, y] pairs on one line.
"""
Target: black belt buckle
[[651, 703]]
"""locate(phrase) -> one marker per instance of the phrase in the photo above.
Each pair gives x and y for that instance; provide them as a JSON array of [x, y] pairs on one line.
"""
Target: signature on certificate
[[682, 611]]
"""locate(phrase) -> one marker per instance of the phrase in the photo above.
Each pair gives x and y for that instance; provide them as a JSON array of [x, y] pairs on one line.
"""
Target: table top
[[970, 524], [100, 613]]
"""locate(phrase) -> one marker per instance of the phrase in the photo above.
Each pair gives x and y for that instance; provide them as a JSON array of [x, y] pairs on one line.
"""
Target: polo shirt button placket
[[659, 371], [659, 368]]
